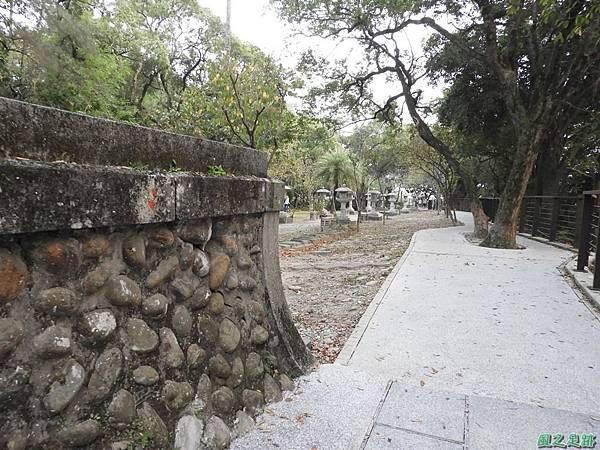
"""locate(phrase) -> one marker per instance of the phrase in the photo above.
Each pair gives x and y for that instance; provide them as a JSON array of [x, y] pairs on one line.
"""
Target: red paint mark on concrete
[[152, 201]]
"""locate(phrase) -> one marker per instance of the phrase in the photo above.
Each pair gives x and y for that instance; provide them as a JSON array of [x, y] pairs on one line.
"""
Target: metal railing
[[574, 221], [555, 218], [589, 234]]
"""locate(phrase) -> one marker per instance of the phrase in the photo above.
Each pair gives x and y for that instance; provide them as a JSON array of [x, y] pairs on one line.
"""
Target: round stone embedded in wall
[[177, 395], [163, 272], [247, 284], [106, 373], [95, 245], [259, 335], [286, 382], [161, 238], [182, 321], [254, 366], [223, 401], [53, 341], [219, 367], [62, 393], [57, 301], [11, 334], [216, 303], [271, 390], [183, 288], [201, 263], [170, 351], [197, 233], [200, 297], [95, 279], [80, 434], [123, 291], [154, 426], [229, 335], [208, 330], [146, 376], [243, 262], [134, 250], [237, 373], [186, 256], [98, 325], [188, 433], [13, 276], [229, 244], [217, 434], [253, 401], [256, 311], [141, 338], [232, 282], [59, 256], [122, 409], [195, 356], [155, 306], [219, 265], [243, 424]]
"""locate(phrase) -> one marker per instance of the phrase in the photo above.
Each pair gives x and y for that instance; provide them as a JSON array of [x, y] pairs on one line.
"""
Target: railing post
[[578, 218], [536, 215], [596, 282], [554, 219], [584, 234]]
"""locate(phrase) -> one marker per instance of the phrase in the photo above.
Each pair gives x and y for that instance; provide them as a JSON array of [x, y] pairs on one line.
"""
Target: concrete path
[[463, 347]]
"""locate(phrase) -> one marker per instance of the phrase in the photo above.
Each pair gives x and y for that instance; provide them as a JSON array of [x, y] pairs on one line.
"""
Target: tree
[[295, 161], [334, 168], [375, 151], [532, 48], [425, 160]]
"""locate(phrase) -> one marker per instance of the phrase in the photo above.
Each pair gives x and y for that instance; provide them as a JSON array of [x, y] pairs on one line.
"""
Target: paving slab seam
[[371, 426], [419, 433], [351, 344], [466, 424]]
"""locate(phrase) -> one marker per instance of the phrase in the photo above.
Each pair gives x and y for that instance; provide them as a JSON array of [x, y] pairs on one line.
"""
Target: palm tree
[[333, 168]]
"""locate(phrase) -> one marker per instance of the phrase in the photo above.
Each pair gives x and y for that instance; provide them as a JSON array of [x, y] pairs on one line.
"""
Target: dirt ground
[[329, 285]]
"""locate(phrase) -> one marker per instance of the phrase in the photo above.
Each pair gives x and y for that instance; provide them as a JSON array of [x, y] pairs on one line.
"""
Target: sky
[[255, 21]]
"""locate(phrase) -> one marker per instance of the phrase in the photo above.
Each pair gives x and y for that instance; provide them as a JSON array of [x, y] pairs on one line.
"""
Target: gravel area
[[330, 284]]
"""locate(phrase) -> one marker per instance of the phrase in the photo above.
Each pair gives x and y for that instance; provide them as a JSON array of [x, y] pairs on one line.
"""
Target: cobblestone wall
[[115, 336]]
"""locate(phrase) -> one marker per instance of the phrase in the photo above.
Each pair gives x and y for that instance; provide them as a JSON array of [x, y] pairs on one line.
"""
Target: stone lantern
[[322, 195], [392, 211], [344, 196], [368, 198], [373, 214], [405, 195]]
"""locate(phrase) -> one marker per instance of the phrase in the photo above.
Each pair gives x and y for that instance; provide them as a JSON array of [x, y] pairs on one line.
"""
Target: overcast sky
[[253, 21], [256, 22]]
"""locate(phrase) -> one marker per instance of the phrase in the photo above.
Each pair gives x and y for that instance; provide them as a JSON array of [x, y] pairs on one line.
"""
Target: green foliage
[[139, 437], [216, 170], [334, 167], [160, 63]]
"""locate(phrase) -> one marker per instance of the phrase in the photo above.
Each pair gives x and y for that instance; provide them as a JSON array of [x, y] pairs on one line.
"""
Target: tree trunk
[[480, 219], [503, 233]]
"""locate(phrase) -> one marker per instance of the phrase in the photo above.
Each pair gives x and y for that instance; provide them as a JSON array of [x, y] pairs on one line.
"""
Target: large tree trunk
[[503, 233], [480, 219]]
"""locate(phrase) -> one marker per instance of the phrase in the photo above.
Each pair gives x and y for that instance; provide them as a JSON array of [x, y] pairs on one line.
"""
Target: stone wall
[[136, 303]]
